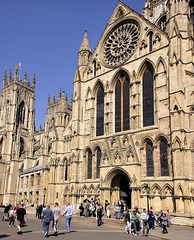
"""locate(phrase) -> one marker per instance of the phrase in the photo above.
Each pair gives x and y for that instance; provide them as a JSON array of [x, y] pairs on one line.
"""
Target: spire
[[59, 94], [48, 100], [66, 97], [16, 73], [28, 83], [34, 81], [63, 94], [85, 46], [9, 78], [53, 97], [25, 77], [5, 79]]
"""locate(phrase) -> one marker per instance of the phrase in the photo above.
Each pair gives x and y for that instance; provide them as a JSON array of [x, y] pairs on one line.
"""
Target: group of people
[[137, 221], [54, 217], [92, 208], [15, 215]]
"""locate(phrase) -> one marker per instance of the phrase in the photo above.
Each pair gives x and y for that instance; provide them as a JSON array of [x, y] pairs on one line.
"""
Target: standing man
[[47, 219], [68, 213], [57, 217], [21, 217], [145, 223], [87, 206], [99, 209]]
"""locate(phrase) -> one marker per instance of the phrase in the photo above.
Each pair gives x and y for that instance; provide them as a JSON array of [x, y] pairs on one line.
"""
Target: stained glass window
[[149, 159], [150, 41], [118, 107], [122, 104], [66, 170], [148, 98], [89, 164], [100, 112], [99, 154], [164, 158], [126, 110], [94, 68]]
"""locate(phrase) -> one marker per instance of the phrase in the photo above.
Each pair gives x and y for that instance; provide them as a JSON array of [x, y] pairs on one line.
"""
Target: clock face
[[120, 43]]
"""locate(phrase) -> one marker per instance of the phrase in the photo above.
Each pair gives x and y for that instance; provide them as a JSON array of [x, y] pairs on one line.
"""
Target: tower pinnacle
[[85, 46]]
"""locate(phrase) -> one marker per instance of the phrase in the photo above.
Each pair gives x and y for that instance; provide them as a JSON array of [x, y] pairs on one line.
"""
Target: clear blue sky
[[45, 36]]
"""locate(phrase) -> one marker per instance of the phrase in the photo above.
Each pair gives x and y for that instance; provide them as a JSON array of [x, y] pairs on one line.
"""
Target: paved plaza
[[87, 229]]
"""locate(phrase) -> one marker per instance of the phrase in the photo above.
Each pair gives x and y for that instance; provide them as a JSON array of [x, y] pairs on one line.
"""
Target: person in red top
[[17, 207]]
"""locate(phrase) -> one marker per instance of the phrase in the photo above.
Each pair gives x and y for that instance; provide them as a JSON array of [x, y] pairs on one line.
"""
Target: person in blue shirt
[[47, 219], [152, 220]]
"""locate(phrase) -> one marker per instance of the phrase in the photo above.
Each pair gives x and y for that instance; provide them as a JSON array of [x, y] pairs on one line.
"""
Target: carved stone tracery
[[121, 43]]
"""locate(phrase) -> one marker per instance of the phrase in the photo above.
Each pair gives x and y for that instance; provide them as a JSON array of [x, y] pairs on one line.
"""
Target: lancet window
[[148, 98], [89, 164], [122, 104], [100, 112], [164, 158], [99, 155], [149, 159]]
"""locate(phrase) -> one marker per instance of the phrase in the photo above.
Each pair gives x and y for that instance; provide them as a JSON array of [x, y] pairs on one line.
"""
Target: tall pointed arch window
[[100, 112], [164, 158], [150, 41], [21, 147], [149, 159], [20, 114], [148, 98], [94, 65], [66, 170], [89, 164], [122, 104], [99, 155]]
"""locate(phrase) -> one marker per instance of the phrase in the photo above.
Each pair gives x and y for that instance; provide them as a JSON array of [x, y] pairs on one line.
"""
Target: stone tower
[[16, 131]]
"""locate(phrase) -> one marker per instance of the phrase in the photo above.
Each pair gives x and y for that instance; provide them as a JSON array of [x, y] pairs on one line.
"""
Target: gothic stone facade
[[128, 130]]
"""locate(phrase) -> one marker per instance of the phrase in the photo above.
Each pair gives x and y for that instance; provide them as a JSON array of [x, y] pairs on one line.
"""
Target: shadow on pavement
[[4, 235], [26, 232]]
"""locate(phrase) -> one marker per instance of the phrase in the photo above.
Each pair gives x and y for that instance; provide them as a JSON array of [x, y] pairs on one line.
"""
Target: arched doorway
[[120, 189]]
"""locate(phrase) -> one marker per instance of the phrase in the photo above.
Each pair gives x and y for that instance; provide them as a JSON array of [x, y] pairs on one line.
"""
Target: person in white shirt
[[145, 223], [68, 213]]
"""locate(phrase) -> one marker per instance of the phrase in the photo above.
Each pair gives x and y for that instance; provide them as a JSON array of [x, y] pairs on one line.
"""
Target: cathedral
[[126, 133]]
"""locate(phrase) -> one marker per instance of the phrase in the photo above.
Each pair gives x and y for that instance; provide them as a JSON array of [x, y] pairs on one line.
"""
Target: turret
[[84, 53], [10, 76], [48, 100], [5, 79], [34, 81], [16, 73], [54, 98], [25, 77], [59, 97]]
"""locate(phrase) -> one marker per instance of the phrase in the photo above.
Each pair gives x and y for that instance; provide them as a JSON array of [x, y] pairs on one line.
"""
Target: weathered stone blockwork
[[128, 130]]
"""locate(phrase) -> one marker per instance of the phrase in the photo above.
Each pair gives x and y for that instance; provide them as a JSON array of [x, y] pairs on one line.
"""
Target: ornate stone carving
[[130, 153]]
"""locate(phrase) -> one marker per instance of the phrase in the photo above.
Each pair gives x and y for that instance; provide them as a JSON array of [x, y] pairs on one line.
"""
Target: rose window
[[121, 43]]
